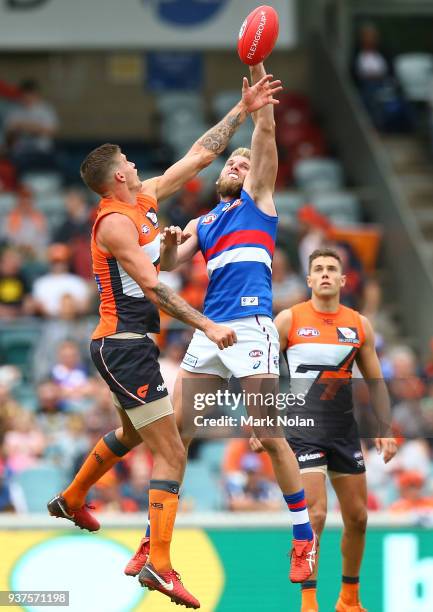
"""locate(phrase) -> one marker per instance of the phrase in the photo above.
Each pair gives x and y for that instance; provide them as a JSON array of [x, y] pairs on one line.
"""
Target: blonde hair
[[243, 151]]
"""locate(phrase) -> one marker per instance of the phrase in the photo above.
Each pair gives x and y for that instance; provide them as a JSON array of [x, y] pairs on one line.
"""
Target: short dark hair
[[325, 252], [96, 166]]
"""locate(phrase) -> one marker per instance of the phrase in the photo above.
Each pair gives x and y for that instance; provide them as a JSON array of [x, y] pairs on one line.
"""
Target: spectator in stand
[[249, 490], [50, 289], [373, 308], [172, 356], [287, 287], [6, 504], [26, 227], [354, 273], [75, 232], [15, 298], [72, 377], [412, 498], [8, 173], [30, 129], [24, 443], [50, 414], [187, 204], [373, 73]]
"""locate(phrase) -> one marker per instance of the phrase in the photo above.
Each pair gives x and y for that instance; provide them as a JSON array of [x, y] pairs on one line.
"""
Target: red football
[[258, 35]]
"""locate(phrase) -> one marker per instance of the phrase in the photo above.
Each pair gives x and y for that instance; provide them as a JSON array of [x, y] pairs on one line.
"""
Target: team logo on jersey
[[308, 332], [153, 218], [347, 335], [256, 353], [145, 229], [209, 219], [234, 204]]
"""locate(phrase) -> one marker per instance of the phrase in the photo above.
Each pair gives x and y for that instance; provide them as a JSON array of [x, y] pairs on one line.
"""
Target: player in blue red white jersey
[[237, 240]]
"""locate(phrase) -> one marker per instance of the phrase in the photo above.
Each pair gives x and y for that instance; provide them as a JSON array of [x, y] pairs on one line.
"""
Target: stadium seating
[[42, 182], [341, 207], [212, 453], [415, 73], [318, 174], [34, 487], [17, 345], [201, 487], [223, 102]]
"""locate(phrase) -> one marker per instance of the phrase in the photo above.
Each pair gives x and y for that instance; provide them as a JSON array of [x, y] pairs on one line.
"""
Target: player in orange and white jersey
[[322, 339]]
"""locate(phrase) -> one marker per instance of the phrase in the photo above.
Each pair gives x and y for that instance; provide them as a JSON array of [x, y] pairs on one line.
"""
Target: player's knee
[[317, 518], [129, 438], [357, 521]]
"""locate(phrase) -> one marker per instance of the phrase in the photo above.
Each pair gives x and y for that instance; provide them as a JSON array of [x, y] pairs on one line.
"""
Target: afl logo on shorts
[[256, 353], [209, 219], [308, 332]]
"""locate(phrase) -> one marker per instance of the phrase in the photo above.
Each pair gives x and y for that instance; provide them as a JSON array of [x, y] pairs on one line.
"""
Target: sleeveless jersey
[[320, 353], [124, 307], [238, 241]]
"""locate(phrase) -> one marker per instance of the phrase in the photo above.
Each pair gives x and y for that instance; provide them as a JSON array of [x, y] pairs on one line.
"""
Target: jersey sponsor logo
[[249, 300], [190, 360], [310, 456], [347, 334], [209, 219], [145, 229], [256, 365], [234, 204], [308, 332], [142, 391], [151, 214], [256, 353]]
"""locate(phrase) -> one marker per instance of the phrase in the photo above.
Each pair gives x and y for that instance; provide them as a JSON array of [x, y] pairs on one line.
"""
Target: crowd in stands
[[54, 406]]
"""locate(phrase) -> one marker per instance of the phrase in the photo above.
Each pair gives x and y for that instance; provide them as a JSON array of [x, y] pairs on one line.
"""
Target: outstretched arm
[[214, 141], [260, 181]]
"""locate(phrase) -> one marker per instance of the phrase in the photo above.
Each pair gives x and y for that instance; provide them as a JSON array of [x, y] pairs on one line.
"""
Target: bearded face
[[232, 177]]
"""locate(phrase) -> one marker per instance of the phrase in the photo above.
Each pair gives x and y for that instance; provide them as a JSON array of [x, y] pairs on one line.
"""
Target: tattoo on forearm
[[217, 138], [176, 306]]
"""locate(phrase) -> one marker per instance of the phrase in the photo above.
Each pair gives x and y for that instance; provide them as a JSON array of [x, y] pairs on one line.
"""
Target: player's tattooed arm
[[171, 303], [217, 138]]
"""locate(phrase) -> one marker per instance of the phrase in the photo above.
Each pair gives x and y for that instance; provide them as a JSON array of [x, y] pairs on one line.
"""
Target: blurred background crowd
[[54, 406]]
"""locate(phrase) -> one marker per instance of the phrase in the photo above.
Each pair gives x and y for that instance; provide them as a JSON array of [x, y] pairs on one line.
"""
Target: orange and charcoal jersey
[[124, 307], [321, 349]]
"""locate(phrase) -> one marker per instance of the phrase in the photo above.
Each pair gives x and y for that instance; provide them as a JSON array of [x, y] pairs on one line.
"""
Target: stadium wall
[[233, 562]]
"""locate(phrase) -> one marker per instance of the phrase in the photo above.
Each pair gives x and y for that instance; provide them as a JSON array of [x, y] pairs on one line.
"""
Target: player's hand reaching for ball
[[262, 93], [386, 446], [173, 236], [222, 335]]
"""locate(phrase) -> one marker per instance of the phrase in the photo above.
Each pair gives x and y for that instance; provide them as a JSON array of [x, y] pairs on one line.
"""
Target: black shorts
[[343, 455], [130, 368]]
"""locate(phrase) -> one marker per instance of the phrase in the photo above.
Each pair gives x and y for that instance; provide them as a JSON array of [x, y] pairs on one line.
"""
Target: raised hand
[[262, 93], [173, 236]]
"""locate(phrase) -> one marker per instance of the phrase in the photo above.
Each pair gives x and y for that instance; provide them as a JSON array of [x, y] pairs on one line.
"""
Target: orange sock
[[309, 600], [107, 452], [350, 593], [163, 502]]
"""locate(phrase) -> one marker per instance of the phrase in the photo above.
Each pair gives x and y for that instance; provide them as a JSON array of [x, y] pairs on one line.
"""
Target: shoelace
[[299, 557]]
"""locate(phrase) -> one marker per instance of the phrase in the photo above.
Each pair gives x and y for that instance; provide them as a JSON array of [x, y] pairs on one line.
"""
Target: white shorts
[[257, 350]]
